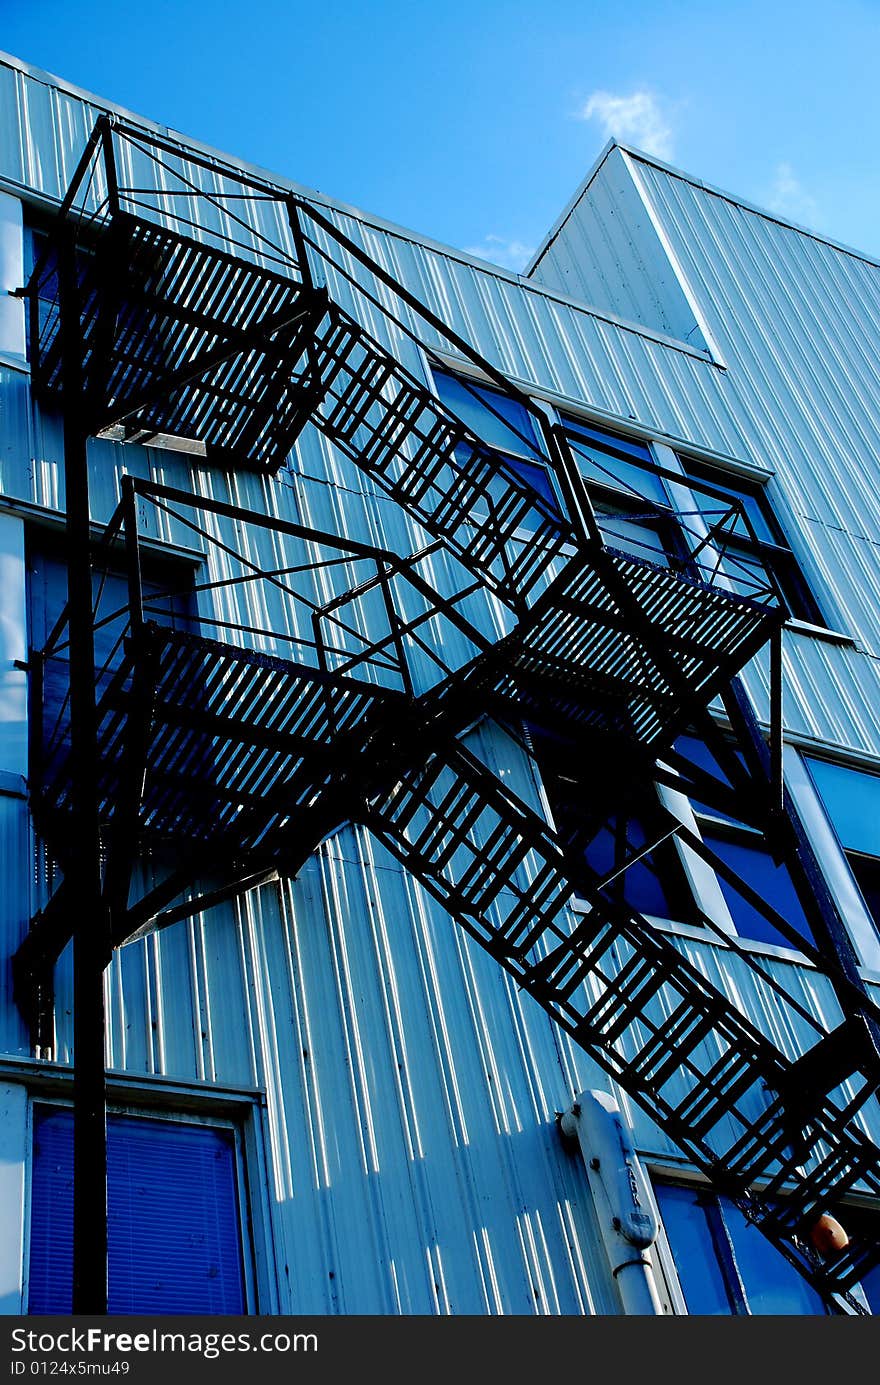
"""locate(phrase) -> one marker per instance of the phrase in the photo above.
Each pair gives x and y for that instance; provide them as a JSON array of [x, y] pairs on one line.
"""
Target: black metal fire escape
[[175, 317]]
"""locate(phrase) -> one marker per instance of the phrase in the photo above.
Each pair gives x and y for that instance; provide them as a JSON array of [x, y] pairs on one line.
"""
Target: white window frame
[[835, 868], [243, 1120]]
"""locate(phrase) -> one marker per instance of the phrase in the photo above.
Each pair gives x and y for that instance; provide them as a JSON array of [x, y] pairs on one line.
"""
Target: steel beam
[[90, 923]]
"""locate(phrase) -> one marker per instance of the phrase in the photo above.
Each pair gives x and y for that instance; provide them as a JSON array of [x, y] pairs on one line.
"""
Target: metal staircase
[[705, 1073], [204, 748]]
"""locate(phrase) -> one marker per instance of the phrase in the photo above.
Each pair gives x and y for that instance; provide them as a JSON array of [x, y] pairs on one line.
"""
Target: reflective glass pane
[[866, 870], [539, 478], [692, 1249], [863, 1227], [852, 802], [584, 435], [747, 572], [697, 752], [772, 883], [632, 537], [606, 468], [474, 405], [642, 889], [619, 462], [753, 501], [771, 1284]]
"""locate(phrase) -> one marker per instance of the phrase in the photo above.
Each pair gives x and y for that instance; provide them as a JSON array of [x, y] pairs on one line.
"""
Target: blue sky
[[473, 121]]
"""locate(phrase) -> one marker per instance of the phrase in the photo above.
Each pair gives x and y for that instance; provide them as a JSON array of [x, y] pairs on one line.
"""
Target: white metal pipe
[[623, 1204], [12, 338]]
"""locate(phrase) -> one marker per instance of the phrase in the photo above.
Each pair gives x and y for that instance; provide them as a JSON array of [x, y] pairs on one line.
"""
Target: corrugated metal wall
[[800, 321], [415, 1164], [606, 253], [414, 1161], [797, 320]]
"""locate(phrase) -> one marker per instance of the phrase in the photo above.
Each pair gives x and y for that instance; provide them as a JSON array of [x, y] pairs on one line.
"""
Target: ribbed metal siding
[[831, 693], [800, 322], [15, 909], [411, 1090], [606, 254], [414, 1160]]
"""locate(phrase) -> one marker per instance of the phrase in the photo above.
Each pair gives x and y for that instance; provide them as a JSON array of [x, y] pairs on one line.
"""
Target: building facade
[[347, 1071]]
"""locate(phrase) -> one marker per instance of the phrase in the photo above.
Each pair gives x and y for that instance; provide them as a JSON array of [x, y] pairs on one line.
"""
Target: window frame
[[38, 226], [783, 564], [45, 540], [862, 930], [700, 880], [677, 467], [163, 567], [681, 474], [684, 1177], [608, 495], [517, 458], [681, 458], [834, 856], [217, 1110], [709, 825], [775, 555], [679, 890]]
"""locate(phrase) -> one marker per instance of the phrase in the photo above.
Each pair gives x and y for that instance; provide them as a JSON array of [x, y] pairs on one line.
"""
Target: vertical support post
[[109, 163], [34, 343], [327, 683], [790, 842], [723, 1248], [577, 500], [313, 391], [776, 720], [91, 930], [394, 627], [36, 714], [132, 556]]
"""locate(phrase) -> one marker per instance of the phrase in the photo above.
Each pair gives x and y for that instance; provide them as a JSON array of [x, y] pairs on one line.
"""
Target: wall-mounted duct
[[622, 1198]]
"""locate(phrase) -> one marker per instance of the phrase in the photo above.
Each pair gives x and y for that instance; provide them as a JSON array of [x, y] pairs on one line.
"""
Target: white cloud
[[789, 198], [637, 119], [509, 254]]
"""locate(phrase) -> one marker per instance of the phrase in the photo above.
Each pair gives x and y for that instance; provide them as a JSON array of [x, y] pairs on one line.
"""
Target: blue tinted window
[[540, 480], [747, 572], [585, 435], [744, 853], [756, 555], [871, 1286], [755, 866], [174, 1227], [696, 1260], [697, 752], [864, 1226], [771, 1284], [617, 462], [852, 802], [724, 1264], [474, 405], [631, 536], [753, 502], [641, 886]]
